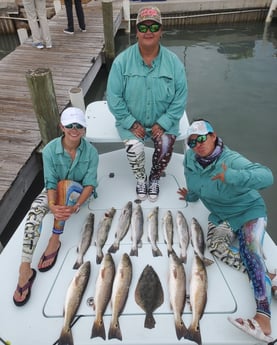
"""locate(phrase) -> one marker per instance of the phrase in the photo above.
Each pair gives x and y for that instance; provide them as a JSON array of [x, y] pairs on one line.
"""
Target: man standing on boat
[[147, 94], [70, 165]]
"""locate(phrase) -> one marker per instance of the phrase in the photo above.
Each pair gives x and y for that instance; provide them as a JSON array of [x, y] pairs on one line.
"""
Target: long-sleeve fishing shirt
[[58, 165], [137, 92], [236, 200]]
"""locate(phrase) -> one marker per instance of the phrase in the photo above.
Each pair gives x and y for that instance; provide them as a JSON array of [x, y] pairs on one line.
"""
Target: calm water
[[232, 78]]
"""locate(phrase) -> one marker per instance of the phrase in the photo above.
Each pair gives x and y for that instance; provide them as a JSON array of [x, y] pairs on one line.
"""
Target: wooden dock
[[74, 61]]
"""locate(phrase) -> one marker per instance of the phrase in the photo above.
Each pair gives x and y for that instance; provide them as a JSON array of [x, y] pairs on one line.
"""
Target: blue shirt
[[236, 200], [58, 165], [137, 92]]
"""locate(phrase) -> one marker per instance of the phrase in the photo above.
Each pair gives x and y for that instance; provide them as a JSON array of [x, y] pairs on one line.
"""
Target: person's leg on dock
[[31, 13], [69, 13], [80, 15], [42, 15]]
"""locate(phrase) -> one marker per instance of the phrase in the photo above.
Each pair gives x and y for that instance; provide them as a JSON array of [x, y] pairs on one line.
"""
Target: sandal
[[28, 286], [48, 257], [274, 285], [251, 327]]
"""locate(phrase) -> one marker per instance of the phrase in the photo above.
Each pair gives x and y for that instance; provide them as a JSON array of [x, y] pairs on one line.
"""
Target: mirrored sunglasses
[[155, 27], [200, 139], [74, 125]]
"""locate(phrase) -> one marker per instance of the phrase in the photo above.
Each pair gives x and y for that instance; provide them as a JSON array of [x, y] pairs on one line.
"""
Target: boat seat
[[101, 124]]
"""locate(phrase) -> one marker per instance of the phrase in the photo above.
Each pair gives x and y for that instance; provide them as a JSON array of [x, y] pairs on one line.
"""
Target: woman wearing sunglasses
[[228, 184], [147, 93], [70, 175]]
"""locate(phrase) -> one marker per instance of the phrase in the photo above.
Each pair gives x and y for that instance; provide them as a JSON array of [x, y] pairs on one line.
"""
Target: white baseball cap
[[200, 128], [73, 115]]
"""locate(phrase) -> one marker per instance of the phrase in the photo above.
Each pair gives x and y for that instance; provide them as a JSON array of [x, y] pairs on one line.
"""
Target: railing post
[[126, 14], [270, 12], [43, 96], [107, 12]]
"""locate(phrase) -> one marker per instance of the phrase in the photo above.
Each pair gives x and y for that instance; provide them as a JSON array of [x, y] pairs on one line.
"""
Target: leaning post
[[109, 50], [43, 96]]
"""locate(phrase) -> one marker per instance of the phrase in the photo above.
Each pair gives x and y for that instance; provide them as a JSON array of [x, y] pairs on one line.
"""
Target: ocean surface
[[232, 80]]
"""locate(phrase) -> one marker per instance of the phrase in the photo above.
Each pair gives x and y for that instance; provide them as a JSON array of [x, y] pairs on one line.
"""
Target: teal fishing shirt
[[58, 165], [137, 92], [236, 200]]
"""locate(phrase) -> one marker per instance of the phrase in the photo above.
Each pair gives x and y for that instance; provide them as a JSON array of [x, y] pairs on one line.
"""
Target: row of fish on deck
[[112, 284]]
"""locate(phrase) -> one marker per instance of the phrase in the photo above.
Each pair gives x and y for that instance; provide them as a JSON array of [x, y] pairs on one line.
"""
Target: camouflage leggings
[[248, 258], [163, 148], [67, 194]]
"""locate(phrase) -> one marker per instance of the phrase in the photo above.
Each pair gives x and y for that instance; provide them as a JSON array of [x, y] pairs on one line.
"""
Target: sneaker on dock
[[83, 30], [68, 32], [38, 45]]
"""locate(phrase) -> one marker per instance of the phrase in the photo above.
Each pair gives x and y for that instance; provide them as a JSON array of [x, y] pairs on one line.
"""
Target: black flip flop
[[28, 286], [47, 257]]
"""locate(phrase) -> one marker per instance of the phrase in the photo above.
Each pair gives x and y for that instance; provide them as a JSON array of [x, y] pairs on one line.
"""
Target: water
[[7, 44], [232, 79]]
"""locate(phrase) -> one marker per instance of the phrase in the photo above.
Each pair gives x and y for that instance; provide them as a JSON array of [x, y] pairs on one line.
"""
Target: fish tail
[[65, 337], [134, 252], [149, 321], [113, 248], [98, 329], [99, 259], [115, 331], [181, 330], [77, 264], [194, 335], [156, 252], [208, 262], [183, 259], [169, 251]]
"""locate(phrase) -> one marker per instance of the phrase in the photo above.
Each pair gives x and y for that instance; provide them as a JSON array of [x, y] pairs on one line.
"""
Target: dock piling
[[109, 49]]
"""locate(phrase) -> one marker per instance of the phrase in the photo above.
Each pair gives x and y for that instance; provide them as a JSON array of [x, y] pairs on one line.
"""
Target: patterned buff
[[205, 161]]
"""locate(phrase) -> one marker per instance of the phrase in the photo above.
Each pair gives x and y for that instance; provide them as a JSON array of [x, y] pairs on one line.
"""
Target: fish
[[153, 231], [136, 229], [168, 231], [102, 233], [177, 293], [149, 294], [85, 242], [120, 291], [103, 292], [198, 298], [184, 235], [198, 241], [73, 300], [122, 227]]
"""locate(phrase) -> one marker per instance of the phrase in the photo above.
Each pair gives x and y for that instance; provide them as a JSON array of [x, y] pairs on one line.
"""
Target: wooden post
[[107, 12], [44, 102], [270, 12]]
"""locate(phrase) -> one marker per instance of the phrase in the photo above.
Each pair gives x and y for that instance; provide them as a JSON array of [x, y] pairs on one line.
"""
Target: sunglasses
[[74, 125], [200, 139], [155, 27]]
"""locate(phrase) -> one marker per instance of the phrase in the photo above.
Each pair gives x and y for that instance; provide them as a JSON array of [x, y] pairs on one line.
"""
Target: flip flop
[[251, 327], [28, 286], [48, 257]]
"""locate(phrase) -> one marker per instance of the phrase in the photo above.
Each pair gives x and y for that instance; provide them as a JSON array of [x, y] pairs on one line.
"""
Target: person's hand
[[221, 176], [157, 131], [183, 192], [138, 130], [62, 212]]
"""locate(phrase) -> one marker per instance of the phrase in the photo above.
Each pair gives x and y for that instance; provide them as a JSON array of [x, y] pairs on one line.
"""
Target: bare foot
[[264, 322], [49, 256], [273, 277], [25, 273]]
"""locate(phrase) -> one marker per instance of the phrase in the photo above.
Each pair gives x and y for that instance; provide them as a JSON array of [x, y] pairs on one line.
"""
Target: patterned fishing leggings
[[163, 148], [248, 258], [67, 193]]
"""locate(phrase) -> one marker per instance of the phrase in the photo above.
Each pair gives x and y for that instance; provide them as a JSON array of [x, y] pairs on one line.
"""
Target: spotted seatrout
[[85, 242], [177, 293], [168, 231], [122, 227], [103, 291], [73, 299], [136, 230], [102, 233], [183, 234], [120, 291], [153, 231]]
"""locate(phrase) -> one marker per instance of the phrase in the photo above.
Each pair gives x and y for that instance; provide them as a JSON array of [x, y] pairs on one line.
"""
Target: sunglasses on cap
[[74, 125], [200, 139], [155, 27]]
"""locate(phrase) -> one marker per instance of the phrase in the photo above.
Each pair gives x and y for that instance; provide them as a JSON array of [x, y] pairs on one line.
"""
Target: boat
[[40, 320]]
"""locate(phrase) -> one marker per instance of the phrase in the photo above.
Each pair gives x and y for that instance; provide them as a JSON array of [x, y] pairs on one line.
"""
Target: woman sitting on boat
[[70, 165], [227, 183]]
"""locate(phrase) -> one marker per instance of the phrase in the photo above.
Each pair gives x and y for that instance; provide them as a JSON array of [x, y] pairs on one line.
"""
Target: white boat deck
[[40, 320]]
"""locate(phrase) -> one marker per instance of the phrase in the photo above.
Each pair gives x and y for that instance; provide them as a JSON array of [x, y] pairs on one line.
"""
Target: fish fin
[[156, 252], [113, 248], [134, 252], [66, 337], [181, 329], [194, 335], [149, 321], [208, 262], [115, 331], [98, 329]]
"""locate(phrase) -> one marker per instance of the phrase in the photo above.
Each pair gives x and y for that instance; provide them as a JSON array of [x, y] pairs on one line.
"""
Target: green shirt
[[137, 92], [58, 165]]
